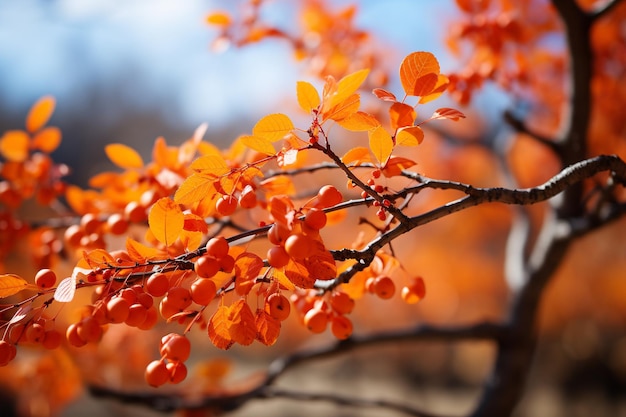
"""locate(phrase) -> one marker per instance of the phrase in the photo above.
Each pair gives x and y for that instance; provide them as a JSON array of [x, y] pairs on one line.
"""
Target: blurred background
[[129, 71]]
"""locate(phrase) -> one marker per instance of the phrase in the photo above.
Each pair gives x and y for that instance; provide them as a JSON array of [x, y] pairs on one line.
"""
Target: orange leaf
[[357, 155], [11, 284], [195, 223], [425, 85], [123, 156], [395, 165], [279, 206], [409, 136], [191, 240], [347, 86], [384, 95], [166, 221], [195, 188], [218, 19], [267, 327], [401, 115], [98, 258], [299, 275], [473, 6], [413, 67], [282, 279], [343, 109], [40, 113], [442, 84], [218, 328], [242, 327], [212, 164], [280, 184], [140, 253], [308, 97], [447, 113], [321, 263], [247, 268], [259, 144], [66, 290], [381, 144], [359, 122], [14, 145], [47, 139], [273, 127]]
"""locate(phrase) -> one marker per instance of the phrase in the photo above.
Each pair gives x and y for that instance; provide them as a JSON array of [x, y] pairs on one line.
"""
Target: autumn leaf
[[384, 95], [401, 115], [98, 258], [123, 156], [259, 144], [218, 328], [395, 165], [195, 223], [219, 19], [299, 275], [282, 279], [280, 184], [359, 122], [442, 84], [447, 113], [409, 136], [424, 85], [344, 109], [415, 66], [307, 95], [347, 86], [47, 139], [194, 188], [66, 290], [273, 127], [381, 144], [210, 165], [40, 113], [267, 327], [14, 145], [242, 327], [166, 220], [11, 284], [358, 155], [140, 253], [320, 263], [247, 268]]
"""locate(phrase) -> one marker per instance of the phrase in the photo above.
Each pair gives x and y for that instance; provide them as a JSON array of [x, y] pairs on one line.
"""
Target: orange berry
[[90, 223], [7, 352], [152, 316], [341, 327], [89, 330], [203, 291], [298, 246], [247, 198], [278, 306], [277, 256], [329, 196], [35, 333], [145, 300], [175, 347], [73, 235], [341, 302], [135, 212], [137, 314], [206, 266], [217, 247], [45, 278], [72, 336], [414, 292], [178, 372], [156, 373], [117, 224], [316, 320], [384, 287], [315, 219], [179, 297], [226, 205], [157, 284], [227, 263], [117, 309], [278, 233], [168, 308], [52, 339]]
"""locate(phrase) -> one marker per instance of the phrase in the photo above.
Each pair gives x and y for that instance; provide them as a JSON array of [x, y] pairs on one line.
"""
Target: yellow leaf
[[359, 122], [141, 253], [357, 155], [98, 258], [166, 221], [40, 113], [381, 144], [409, 136], [273, 127], [348, 85], [11, 284], [211, 165], [14, 145], [415, 66], [123, 156], [218, 19], [308, 97], [282, 279], [47, 139], [259, 144]]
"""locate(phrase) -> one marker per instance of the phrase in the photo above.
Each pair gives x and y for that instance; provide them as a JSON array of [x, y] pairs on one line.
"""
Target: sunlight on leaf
[[308, 97], [381, 144], [40, 113], [14, 145], [166, 221], [273, 127], [123, 156], [11, 284]]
